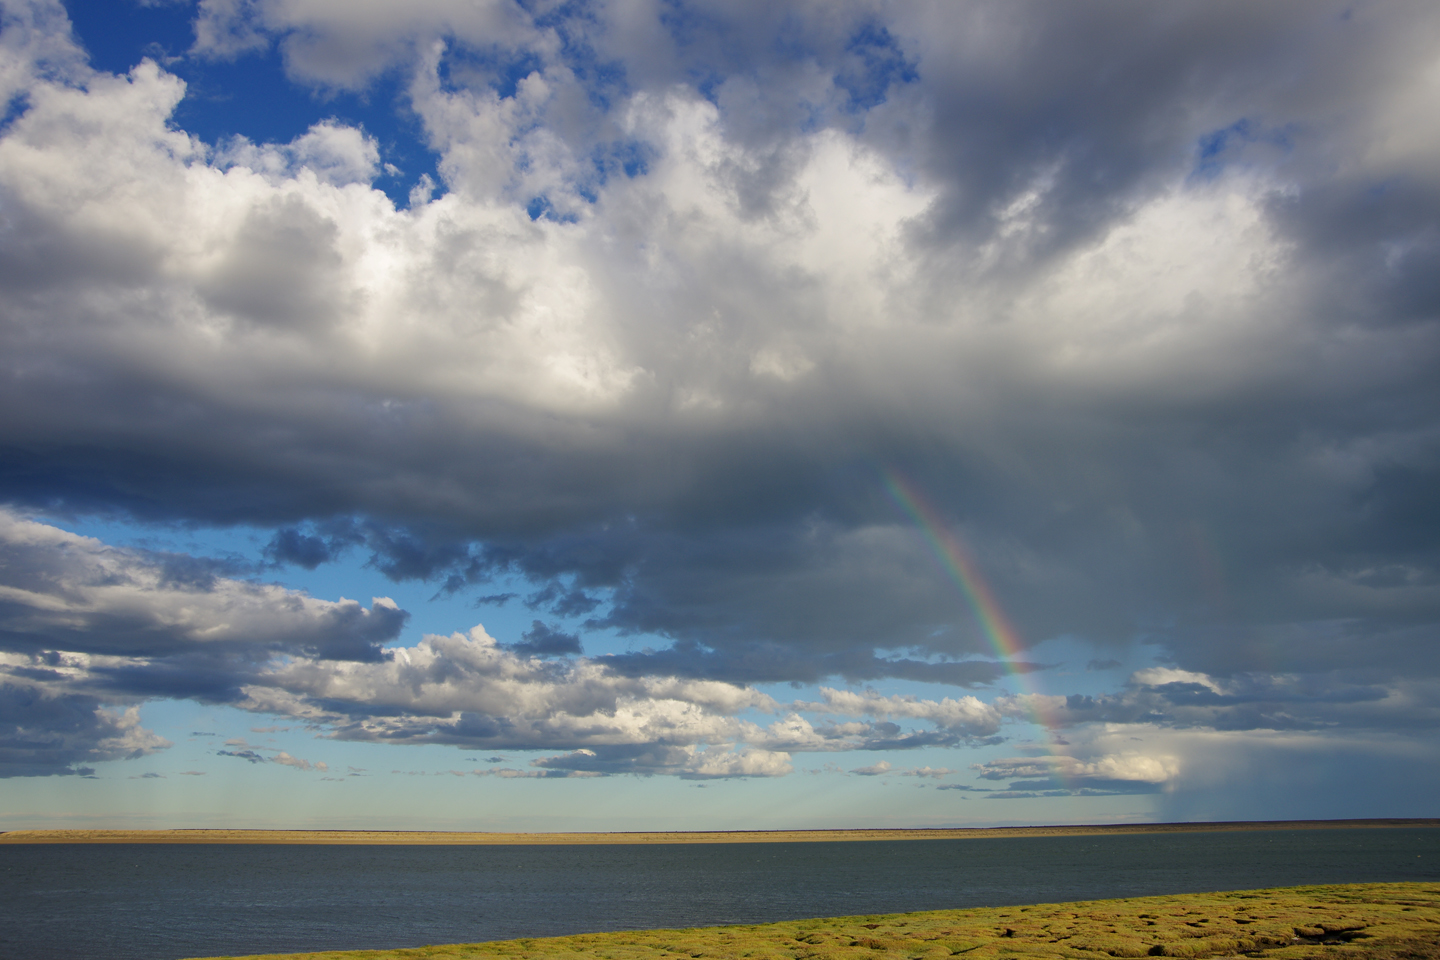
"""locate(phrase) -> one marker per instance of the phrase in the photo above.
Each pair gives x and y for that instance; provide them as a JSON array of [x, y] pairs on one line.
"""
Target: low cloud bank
[[89, 632]]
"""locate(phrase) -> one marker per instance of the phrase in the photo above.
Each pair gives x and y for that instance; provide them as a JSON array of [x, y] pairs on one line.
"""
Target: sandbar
[[469, 838]]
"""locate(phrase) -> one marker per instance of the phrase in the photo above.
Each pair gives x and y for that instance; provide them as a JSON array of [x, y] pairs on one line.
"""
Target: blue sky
[[479, 415]]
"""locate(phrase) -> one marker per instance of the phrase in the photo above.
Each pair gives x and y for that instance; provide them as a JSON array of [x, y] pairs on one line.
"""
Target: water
[[161, 902]]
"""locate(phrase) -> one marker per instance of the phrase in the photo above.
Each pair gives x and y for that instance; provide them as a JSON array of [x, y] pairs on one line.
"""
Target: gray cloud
[[45, 733], [248, 755], [1313, 701], [76, 594], [290, 545], [772, 662], [543, 640]]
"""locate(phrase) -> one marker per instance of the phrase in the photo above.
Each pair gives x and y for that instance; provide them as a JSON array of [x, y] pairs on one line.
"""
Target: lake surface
[[161, 902]]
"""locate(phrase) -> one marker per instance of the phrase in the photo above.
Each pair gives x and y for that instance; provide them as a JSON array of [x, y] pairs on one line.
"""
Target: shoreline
[[480, 838], [1378, 921]]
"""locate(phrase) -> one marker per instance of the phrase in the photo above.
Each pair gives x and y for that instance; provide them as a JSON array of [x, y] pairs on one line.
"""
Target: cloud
[[720, 764], [331, 153], [686, 762], [1143, 301], [510, 773], [38, 44], [465, 689], [249, 755], [542, 640], [290, 545], [225, 29], [967, 716], [284, 759], [752, 662], [45, 731], [84, 596], [1130, 772], [470, 691], [1245, 701], [932, 773], [1158, 340], [280, 757]]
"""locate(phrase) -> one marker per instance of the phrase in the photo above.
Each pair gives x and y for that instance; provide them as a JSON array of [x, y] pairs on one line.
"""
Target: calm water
[[160, 902]]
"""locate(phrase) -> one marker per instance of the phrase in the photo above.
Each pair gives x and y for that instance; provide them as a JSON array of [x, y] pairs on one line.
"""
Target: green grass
[[1377, 921]]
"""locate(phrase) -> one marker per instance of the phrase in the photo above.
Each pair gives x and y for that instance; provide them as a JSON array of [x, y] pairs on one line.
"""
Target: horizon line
[[263, 835]]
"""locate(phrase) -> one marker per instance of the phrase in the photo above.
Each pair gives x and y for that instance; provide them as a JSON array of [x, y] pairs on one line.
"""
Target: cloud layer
[[1143, 299], [88, 632]]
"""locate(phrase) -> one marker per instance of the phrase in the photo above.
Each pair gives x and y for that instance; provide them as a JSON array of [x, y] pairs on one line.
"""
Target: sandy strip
[[436, 837]]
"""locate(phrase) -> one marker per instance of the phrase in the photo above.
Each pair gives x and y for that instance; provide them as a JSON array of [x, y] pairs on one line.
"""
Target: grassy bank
[[1383, 921]]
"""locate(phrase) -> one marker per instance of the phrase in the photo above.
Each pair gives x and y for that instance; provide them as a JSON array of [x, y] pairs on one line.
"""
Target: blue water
[[161, 902]]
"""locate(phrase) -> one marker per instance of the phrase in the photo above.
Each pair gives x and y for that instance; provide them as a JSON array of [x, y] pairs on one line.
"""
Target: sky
[[686, 414]]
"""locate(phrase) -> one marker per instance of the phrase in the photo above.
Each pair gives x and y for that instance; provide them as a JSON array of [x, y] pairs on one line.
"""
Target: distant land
[[439, 837]]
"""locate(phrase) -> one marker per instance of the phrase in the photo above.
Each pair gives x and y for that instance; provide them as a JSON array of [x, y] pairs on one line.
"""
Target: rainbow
[[1001, 634]]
